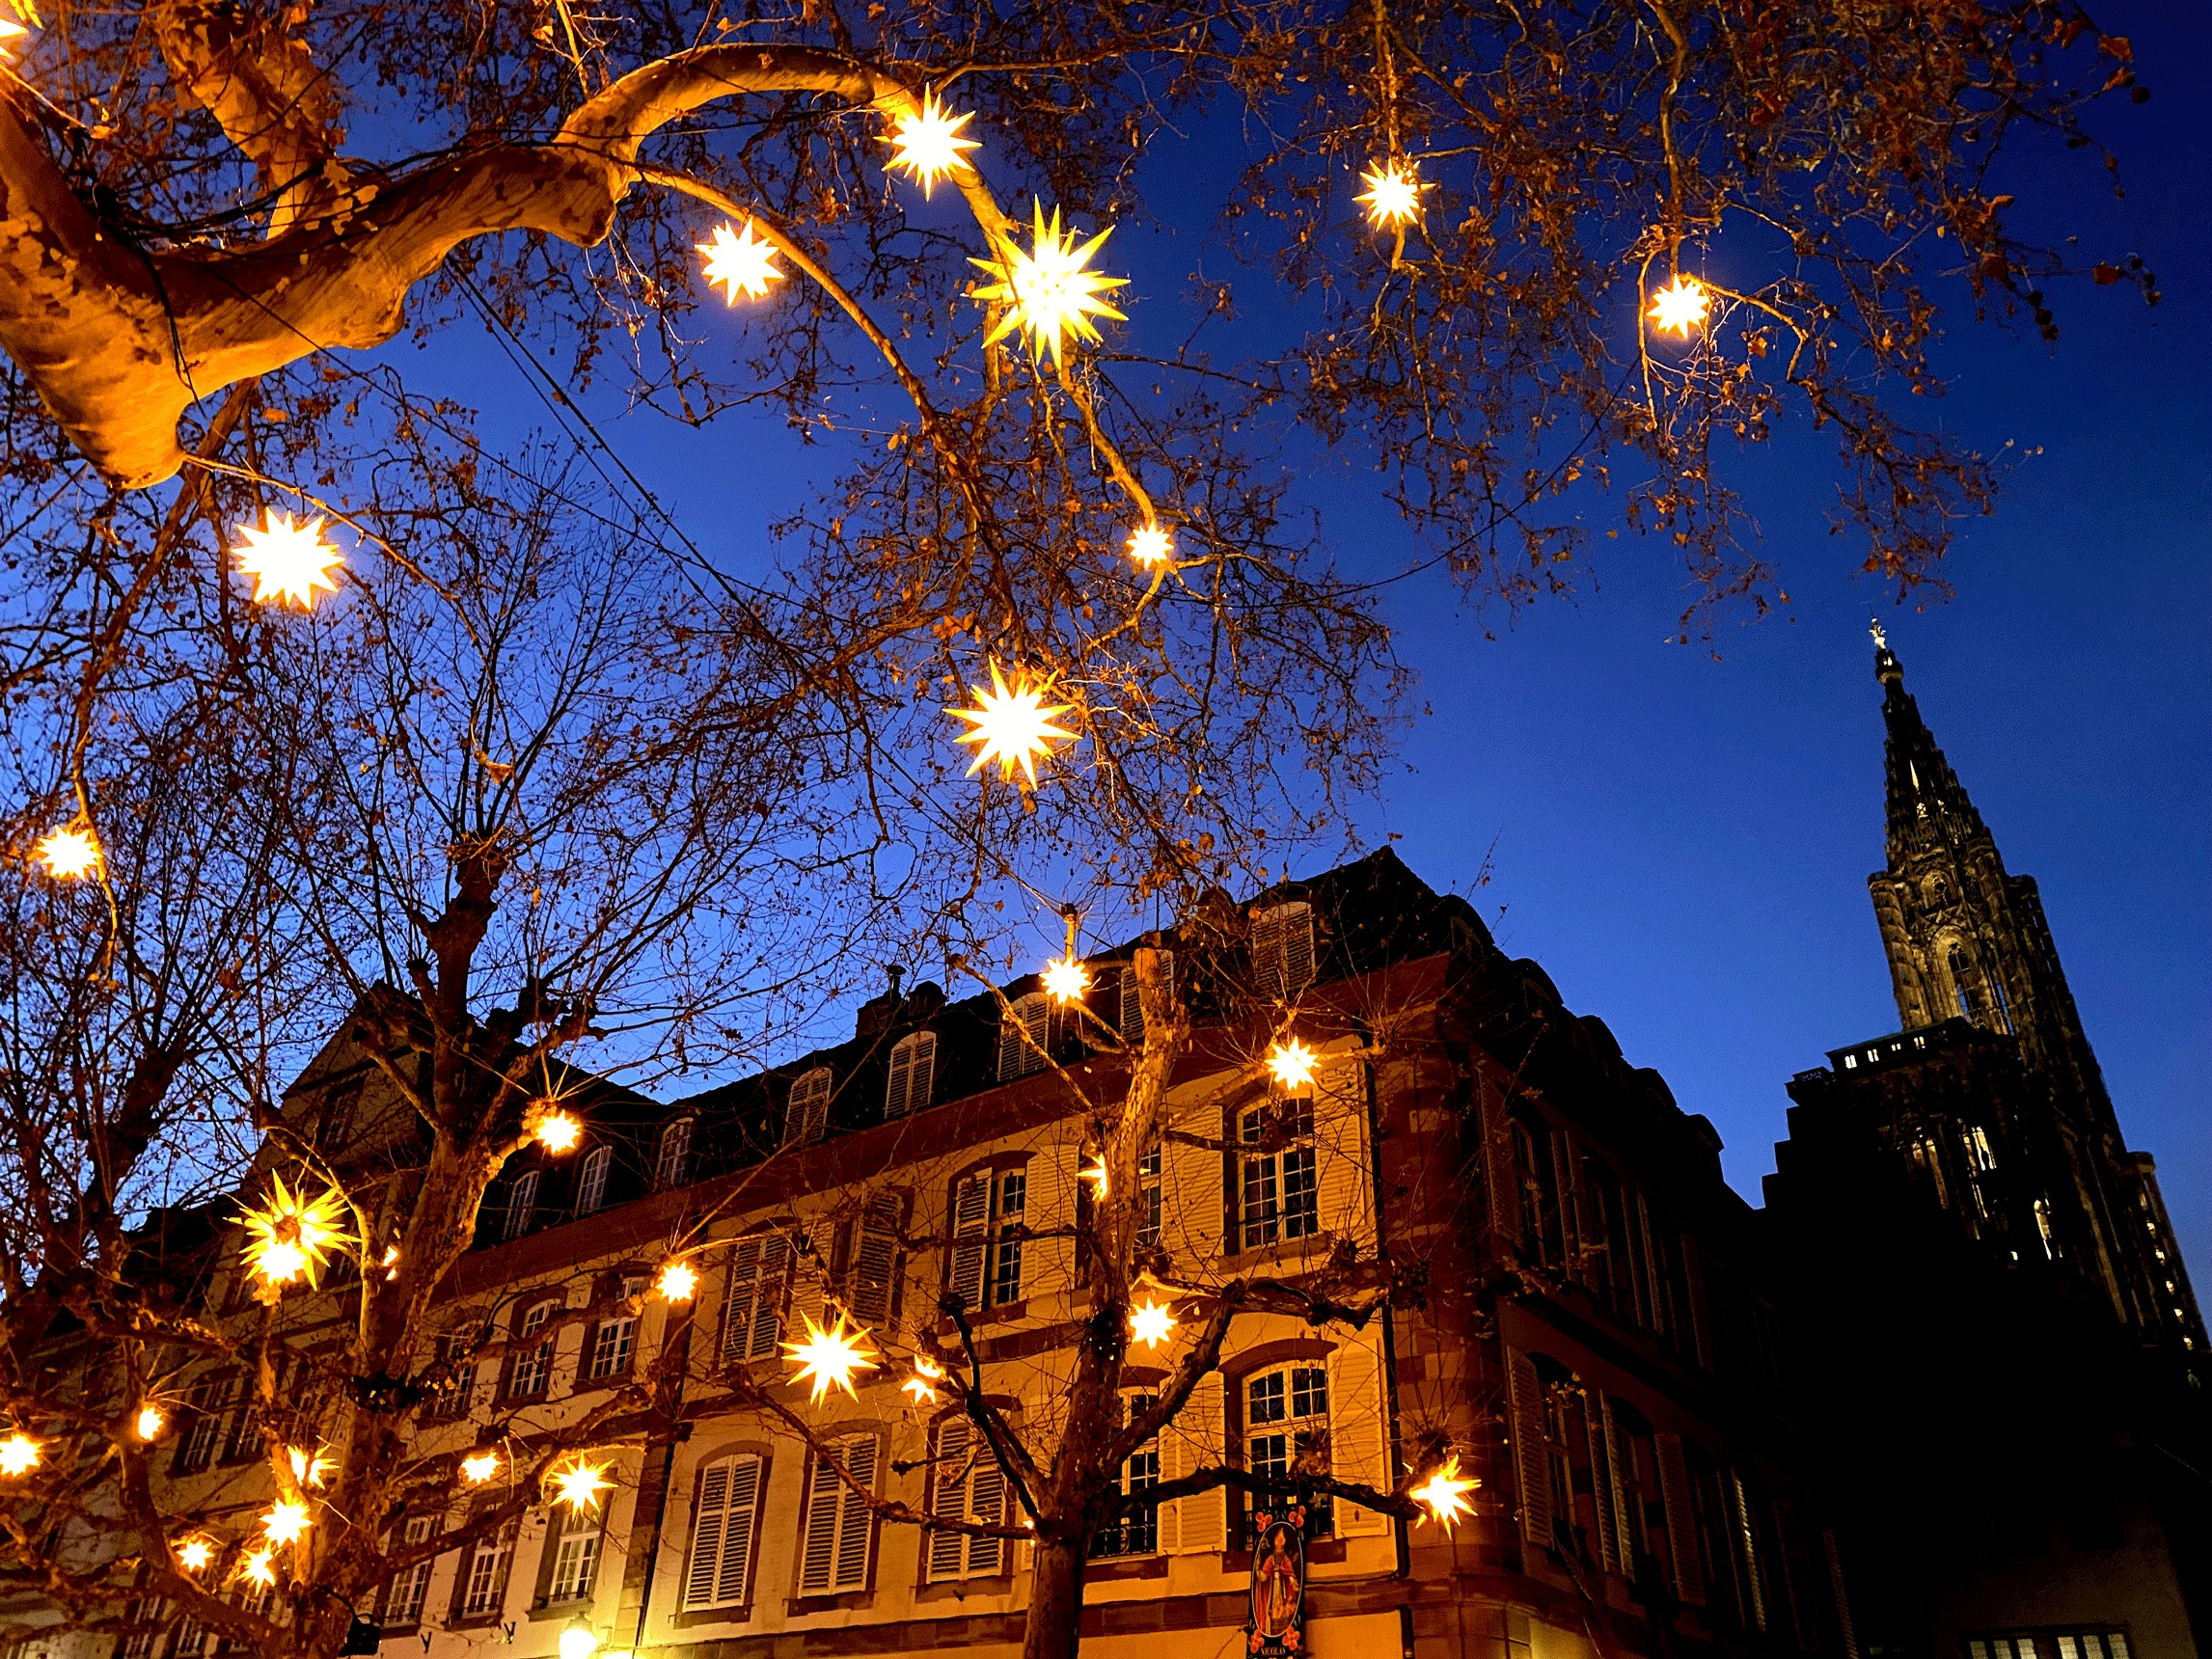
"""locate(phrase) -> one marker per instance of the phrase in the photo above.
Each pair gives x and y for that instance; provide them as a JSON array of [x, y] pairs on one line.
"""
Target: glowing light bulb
[[929, 143], [479, 1466], [677, 1281], [1011, 724], [580, 1484], [288, 561], [828, 1358], [286, 1521], [1150, 545], [1066, 980], [194, 1553], [1095, 1174], [69, 854], [19, 1454], [1047, 293], [1393, 195], [1291, 1064], [149, 1422], [1151, 1324], [578, 1639], [740, 262], [559, 1131], [293, 1233], [1680, 307], [1444, 1496]]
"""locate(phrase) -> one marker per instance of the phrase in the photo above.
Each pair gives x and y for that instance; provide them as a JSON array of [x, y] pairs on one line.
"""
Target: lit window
[[807, 1114], [838, 1533], [404, 1604], [966, 1484], [2043, 1227], [1025, 1036], [1278, 1195], [1979, 1152], [913, 1074], [1137, 1532], [1286, 1433], [591, 1179], [986, 1262], [576, 1557], [1282, 950], [521, 1202], [484, 1584], [720, 1571], [614, 1340], [674, 1163], [532, 1361]]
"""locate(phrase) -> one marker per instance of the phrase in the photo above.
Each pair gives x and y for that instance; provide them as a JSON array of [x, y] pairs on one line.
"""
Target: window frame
[[998, 1236], [591, 1178], [672, 1153], [909, 1084], [1293, 1374], [807, 1107], [392, 1615], [1136, 1535], [849, 1518], [961, 1558], [522, 1204], [537, 1354], [1273, 1172]]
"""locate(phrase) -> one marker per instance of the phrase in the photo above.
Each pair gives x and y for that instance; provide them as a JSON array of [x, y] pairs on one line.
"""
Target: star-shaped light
[[1150, 545], [9, 33], [676, 1283], [293, 1234], [559, 1131], [68, 853], [1444, 1496], [149, 1422], [929, 143], [18, 1455], [193, 1554], [922, 1385], [1680, 307], [580, 1484], [1393, 195], [829, 1357], [1047, 293], [1151, 1324], [740, 261], [1011, 724], [479, 1466], [1095, 1172], [391, 1263], [255, 1567], [309, 1468], [1066, 980], [286, 1521], [288, 561], [1291, 1064]]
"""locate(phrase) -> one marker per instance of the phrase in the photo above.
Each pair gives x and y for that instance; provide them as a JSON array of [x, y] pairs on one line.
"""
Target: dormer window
[[1132, 1021], [807, 1114], [521, 1202], [1282, 950], [1024, 1034], [591, 1179], [913, 1074], [673, 1166]]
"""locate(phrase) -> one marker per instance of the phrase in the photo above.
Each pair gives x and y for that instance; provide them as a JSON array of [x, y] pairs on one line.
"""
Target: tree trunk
[[1055, 1622]]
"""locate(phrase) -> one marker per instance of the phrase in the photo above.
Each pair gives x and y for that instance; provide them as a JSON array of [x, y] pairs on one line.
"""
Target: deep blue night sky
[[1681, 834]]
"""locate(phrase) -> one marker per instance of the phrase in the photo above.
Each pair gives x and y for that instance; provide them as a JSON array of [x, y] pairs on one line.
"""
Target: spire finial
[[1881, 639]]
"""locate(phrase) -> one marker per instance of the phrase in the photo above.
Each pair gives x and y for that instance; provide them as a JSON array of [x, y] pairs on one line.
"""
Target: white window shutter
[[818, 1538], [1343, 1174], [710, 1507], [986, 1502], [1011, 1052], [807, 1114], [1530, 1465], [856, 1526], [970, 1214], [1358, 1433], [733, 1585], [1682, 1521], [913, 1075], [1605, 1483], [1190, 1213], [1132, 1021], [949, 1496], [1194, 1441], [752, 1307], [874, 1269]]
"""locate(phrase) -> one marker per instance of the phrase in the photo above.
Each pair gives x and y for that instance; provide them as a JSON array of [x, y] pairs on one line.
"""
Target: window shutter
[[1742, 1524], [970, 1214], [986, 1502], [1358, 1436], [1843, 1601], [1192, 1442], [1526, 1389], [733, 1585], [1017, 1059], [1503, 1182], [1051, 1192], [809, 1291], [875, 1261], [722, 1533], [807, 1114], [1011, 1052], [1282, 950], [818, 1540], [1132, 1021], [856, 1527], [1605, 1483], [1682, 1521], [913, 1075], [1191, 1210], [1298, 950], [948, 1495], [1622, 1460], [749, 1323], [1342, 1174]]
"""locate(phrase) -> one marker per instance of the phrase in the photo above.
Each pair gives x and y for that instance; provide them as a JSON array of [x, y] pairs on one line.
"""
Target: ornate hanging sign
[[1277, 1626]]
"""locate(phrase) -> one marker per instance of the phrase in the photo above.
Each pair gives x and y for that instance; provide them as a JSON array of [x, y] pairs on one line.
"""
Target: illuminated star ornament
[[255, 1569], [559, 1131], [677, 1281], [292, 1234], [828, 1358], [1680, 307], [740, 262], [10, 32], [1066, 980], [1291, 1064], [1096, 1175], [1048, 292], [1444, 1496], [479, 1466], [580, 1484], [922, 1385], [18, 1455], [308, 1469], [929, 143], [1151, 1324], [290, 562], [193, 1554], [1151, 546], [69, 854], [1393, 195], [285, 1522], [149, 1422], [1011, 724]]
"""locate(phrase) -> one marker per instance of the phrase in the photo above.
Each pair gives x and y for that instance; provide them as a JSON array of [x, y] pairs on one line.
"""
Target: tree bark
[[1055, 1620]]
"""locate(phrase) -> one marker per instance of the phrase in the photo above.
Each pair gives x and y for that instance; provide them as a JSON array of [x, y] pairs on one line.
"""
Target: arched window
[[1960, 984], [530, 1367], [673, 1166], [913, 1074], [1286, 1431], [1025, 1036], [521, 1202], [807, 1114], [591, 1179], [1282, 950]]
